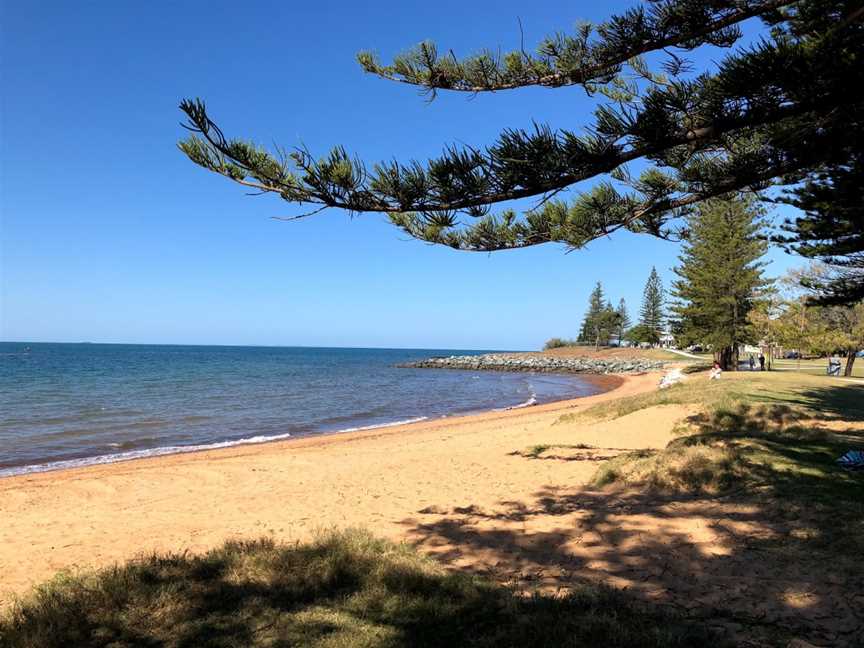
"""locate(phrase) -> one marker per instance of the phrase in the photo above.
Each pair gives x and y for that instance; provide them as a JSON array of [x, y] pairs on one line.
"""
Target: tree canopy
[[596, 307], [832, 227], [651, 315], [720, 276], [777, 111]]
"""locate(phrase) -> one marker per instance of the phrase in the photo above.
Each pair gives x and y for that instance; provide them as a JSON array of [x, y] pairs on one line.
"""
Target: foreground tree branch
[[778, 111], [576, 59]]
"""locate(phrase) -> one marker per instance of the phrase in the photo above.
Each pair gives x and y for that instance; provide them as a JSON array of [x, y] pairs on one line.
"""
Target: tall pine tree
[[596, 306], [623, 319], [720, 275], [651, 314]]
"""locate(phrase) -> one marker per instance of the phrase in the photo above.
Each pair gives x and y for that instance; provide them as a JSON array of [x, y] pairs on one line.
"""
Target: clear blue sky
[[109, 234]]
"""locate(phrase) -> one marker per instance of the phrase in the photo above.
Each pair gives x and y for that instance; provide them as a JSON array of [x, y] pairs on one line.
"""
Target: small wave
[[167, 450], [385, 425], [532, 400], [528, 403]]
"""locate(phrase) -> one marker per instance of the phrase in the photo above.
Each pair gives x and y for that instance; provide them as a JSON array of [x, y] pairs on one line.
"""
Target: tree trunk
[[850, 361], [724, 357]]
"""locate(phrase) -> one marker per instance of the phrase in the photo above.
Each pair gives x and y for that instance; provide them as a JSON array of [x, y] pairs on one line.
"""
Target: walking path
[[685, 354]]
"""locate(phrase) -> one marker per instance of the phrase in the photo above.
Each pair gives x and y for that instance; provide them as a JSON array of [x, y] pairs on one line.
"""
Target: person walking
[[761, 362], [752, 363]]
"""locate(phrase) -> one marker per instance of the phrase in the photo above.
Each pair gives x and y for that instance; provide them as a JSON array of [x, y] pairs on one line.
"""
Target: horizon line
[[262, 346]]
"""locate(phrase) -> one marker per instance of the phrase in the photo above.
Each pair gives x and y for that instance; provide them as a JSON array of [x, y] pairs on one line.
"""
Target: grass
[[771, 448], [535, 452], [613, 353], [346, 589], [819, 395], [818, 366], [702, 470], [763, 435], [775, 455]]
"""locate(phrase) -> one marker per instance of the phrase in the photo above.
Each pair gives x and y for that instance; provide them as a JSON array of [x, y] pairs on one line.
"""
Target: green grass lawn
[[818, 367], [346, 590], [755, 429], [819, 395]]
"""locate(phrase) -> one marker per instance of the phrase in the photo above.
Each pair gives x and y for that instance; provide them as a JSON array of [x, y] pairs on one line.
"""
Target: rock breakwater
[[515, 362]]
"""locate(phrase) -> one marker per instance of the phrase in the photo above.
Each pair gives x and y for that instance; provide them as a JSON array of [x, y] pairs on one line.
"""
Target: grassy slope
[[771, 437], [612, 353], [765, 442], [348, 589], [824, 397]]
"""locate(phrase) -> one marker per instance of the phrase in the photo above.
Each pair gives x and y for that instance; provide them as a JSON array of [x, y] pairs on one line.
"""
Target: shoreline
[[606, 382], [382, 479]]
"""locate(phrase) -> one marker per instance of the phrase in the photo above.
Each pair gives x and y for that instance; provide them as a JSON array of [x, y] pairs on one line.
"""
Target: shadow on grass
[[747, 523], [347, 589], [837, 402]]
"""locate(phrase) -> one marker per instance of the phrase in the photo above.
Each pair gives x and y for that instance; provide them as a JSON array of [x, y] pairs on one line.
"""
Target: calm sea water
[[73, 404]]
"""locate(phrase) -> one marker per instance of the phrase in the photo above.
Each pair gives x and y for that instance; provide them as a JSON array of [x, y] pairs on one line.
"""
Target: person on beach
[[715, 371]]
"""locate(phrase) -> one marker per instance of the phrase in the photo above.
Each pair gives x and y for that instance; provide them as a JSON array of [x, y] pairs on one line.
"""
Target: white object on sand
[[671, 378]]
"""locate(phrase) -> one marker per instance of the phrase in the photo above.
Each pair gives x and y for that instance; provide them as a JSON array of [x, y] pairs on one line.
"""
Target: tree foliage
[[651, 315], [602, 321], [831, 228], [624, 322], [778, 110], [641, 334], [596, 306], [720, 275]]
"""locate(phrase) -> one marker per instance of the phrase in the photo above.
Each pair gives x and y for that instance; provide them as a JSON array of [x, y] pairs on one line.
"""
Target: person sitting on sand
[[715, 371]]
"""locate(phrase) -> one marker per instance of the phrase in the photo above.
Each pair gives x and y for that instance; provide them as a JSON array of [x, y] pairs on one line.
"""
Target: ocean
[[64, 405]]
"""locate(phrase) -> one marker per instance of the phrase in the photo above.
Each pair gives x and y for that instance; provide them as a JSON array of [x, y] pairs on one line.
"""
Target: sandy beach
[[465, 490], [381, 479]]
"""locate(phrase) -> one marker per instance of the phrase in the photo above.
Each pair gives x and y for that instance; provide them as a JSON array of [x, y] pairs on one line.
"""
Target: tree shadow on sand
[[774, 554]]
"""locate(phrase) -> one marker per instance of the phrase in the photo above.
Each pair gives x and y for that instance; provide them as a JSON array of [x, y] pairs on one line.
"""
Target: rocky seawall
[[512, 362]]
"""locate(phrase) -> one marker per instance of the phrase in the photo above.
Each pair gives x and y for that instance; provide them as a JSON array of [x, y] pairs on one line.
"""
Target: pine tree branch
[[598, 62], [361, 198]]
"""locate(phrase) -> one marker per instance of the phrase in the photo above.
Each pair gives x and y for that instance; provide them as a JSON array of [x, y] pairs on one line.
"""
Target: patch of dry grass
[[345, 590], [677, 469], [776, 448]]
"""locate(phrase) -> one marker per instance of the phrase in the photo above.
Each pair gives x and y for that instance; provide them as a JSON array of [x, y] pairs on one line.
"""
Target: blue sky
[[109, 234]]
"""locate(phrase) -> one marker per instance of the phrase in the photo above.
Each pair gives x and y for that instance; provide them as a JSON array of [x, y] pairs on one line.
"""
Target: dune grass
[[817, 395], [536, 451], [612, 353], [762, 430], [346, 589]]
